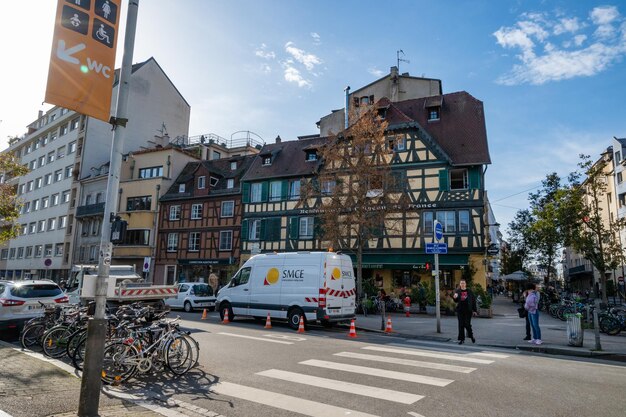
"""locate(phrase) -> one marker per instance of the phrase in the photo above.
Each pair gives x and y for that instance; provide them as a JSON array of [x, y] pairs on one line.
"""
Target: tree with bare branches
[[360, 197]]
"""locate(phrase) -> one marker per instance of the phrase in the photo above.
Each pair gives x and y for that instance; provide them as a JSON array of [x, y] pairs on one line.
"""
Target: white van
[[318, 285]]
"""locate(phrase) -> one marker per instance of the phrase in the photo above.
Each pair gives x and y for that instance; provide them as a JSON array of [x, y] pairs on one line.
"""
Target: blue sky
[[550, 73]]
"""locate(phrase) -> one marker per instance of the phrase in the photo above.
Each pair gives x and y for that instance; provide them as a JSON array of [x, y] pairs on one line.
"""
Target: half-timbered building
[[440, 153], [200, 223]]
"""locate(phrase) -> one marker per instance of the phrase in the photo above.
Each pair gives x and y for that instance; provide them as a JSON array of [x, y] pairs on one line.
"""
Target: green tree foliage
[[520, 242], [10, 205], [585, 228]]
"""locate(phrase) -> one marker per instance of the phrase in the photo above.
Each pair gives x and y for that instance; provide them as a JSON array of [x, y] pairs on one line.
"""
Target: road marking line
[[428, 354], [284, 402], [401, 376], [3, 414], [285, 337], [349, 387], [414, 414], [256, 338], [407, 362], [469, 351]]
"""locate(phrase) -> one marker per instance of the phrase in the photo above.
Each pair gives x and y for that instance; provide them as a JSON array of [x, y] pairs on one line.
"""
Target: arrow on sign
[[66, 54]]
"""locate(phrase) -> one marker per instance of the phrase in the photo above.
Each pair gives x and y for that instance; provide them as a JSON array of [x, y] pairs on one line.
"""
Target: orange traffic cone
[[388, 329], [268, 322], [203, 315], [301, 325], [352, 329], [225, 321]]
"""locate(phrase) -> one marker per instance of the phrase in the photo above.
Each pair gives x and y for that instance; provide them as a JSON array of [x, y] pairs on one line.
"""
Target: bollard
[[596, 326]]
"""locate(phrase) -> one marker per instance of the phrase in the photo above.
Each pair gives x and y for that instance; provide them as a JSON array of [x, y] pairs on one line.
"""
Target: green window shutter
[[264, 191], [274, 229], [474, 177], [263, 233], [317, 227], [245, 192], [244, 230], [284, 191], [443, 180], [294, 227]]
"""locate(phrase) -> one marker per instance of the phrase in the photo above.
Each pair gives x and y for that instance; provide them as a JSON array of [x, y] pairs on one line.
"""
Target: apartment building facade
[[440, 151], [59, 148], [200, 222]]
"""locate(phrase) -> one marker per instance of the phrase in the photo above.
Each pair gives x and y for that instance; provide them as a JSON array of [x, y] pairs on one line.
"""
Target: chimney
[[393, 72], [346, 111], [278, 139], [40, 114]]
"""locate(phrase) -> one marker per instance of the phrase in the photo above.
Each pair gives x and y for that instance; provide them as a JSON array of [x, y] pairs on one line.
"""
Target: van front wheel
[[294, 317]]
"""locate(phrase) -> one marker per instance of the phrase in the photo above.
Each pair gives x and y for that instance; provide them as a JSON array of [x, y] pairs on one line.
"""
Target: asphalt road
[[247, 370]]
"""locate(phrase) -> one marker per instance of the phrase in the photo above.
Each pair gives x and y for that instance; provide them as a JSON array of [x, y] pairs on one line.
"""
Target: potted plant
[[418, 296], [430, 296], [483, 300]]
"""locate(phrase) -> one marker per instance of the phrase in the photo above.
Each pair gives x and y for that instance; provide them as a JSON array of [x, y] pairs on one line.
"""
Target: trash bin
[[574, 330]]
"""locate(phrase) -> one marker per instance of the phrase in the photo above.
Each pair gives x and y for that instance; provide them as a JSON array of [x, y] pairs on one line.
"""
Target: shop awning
[[408, 261]]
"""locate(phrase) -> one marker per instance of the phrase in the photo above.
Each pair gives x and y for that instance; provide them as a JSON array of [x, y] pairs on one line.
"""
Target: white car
[[193, 295], [20, 300]]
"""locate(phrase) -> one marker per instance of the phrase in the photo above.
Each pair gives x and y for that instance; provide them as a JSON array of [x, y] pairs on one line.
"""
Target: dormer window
[[433, 113], [214, 181], [233, 166], [311, 155], [181, 188], [267, 160]]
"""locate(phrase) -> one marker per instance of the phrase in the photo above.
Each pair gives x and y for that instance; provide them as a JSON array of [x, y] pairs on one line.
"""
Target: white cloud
[[316, 38], [551, 63], [566, 25], [292, 75], [308, 60], [262, 52], [375, 72]]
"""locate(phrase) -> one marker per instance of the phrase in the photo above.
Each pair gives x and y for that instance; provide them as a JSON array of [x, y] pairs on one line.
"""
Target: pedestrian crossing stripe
[[446, 348], [349, 387], [256, 338], [407, 362], [428, 354], [284, 402], [381, 373]]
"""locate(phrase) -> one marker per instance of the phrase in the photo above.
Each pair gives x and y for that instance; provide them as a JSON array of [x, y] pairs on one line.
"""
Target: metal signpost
[[436, 248], [81, 78]]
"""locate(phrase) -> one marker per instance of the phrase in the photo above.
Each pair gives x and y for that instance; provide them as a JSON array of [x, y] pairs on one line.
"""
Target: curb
[[555, 350]]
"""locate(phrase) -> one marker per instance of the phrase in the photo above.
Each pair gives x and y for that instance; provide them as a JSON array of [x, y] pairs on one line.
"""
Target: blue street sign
[[438, 231], [440, 248]]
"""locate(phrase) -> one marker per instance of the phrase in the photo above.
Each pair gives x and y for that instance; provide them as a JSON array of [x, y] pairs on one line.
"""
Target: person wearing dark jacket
[[465, 309]]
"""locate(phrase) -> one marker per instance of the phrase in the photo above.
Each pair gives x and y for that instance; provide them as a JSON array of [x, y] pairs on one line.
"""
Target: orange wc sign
[[82, 62]]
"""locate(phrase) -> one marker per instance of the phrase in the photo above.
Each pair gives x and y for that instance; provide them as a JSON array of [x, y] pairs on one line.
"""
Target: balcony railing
[[90, 210], [578, 269]]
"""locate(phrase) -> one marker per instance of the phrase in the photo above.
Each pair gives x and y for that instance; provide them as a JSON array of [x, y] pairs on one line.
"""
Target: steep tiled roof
[[460, 130], [219, 168], [288, 160]]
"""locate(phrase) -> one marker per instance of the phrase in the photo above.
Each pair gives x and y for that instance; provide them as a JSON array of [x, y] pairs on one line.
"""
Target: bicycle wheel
[[55, 341], [179, 356], [119, 362], [78, 355], [610, 326], [73, 340], [31, 337]]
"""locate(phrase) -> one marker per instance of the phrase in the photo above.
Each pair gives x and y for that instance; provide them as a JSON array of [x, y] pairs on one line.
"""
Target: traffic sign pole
[[92, 369], [438, 235]]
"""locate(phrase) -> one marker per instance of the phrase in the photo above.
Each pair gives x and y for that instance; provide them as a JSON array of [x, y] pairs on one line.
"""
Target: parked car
[[20, 300], [192, 295]]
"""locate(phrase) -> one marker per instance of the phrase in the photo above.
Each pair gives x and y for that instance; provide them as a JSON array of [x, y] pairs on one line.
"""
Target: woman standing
[[532, 306], [465, 309]]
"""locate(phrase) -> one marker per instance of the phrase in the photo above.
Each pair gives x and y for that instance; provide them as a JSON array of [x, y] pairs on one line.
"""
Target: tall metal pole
[[437, 300], [91, 383]]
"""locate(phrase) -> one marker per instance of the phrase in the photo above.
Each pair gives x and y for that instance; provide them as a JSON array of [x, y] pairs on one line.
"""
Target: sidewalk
[[35, 387], [505, 330]]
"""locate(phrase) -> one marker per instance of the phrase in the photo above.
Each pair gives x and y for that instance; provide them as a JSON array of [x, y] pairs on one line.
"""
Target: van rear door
[[340, 288]]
